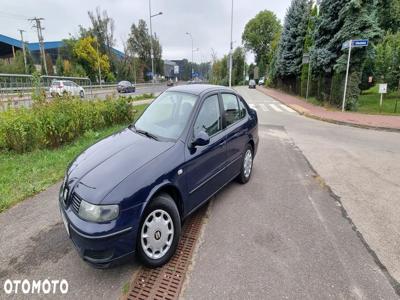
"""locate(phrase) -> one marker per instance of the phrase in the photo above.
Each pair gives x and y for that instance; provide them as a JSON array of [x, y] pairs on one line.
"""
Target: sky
[[207, 20]]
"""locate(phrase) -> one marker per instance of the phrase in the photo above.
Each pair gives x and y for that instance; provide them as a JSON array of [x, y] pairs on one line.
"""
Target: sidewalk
[[382, 122], [281, 236]]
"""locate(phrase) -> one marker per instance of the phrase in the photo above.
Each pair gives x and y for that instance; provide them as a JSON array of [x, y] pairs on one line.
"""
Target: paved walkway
[[348, 118]]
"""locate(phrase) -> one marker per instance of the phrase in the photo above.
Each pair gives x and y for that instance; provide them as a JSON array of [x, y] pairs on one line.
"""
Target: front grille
[[75, 203]]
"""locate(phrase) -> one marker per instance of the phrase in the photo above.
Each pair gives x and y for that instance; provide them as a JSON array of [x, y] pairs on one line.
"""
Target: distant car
[[261, 81], [170, 83], [126, 87], [252, 84], [66, 87]]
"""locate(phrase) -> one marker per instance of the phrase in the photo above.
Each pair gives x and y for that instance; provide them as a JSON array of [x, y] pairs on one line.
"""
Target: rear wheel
[[82, 94], [159, 231], [247, 165]]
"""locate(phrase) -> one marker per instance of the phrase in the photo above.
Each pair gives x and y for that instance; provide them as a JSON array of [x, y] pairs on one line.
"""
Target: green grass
[[140, 97], [368, 102], [23, 175]]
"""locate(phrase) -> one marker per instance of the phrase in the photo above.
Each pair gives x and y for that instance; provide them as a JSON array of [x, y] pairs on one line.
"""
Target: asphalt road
[[283, 235], [286, 234], [155, 89]]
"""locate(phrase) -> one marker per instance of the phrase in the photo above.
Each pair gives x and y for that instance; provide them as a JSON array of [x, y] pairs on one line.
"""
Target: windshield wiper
[[146, 133]]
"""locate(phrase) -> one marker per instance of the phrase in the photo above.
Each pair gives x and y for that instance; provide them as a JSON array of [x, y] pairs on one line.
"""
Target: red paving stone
[[321, 113]]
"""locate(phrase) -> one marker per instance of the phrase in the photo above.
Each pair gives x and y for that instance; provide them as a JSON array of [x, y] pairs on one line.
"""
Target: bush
[[49, 125]]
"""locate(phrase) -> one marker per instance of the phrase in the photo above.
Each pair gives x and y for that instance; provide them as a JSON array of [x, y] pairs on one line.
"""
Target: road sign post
[[382, 90], [350, 44]]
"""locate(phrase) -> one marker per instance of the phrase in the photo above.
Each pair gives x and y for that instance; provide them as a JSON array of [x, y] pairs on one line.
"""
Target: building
[[171, 69], [9, 46]]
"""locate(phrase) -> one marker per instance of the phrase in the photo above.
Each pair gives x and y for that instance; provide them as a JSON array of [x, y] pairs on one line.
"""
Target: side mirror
[[201, 139]]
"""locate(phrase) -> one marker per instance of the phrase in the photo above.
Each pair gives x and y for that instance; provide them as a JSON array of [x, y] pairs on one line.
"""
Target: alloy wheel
[[247, 163], [157, 234]]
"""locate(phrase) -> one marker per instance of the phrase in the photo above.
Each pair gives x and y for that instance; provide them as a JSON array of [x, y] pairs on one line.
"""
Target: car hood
[[96, 171]]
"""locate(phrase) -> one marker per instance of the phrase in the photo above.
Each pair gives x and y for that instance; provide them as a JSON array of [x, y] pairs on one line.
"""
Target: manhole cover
[[166, 282]]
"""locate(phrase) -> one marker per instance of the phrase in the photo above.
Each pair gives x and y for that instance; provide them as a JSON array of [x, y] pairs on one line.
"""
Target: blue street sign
[[355, 43], [359, 43]]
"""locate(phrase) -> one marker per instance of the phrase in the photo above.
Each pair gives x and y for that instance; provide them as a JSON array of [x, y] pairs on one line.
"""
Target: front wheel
[[159, 231], [247, 165], [82, 94]]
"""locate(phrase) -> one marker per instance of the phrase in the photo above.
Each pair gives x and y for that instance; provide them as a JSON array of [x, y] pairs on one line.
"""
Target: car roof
[[198, 89]]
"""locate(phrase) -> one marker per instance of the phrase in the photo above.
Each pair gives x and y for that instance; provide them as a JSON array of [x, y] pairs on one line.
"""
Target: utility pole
[[39, 29], [231, 50], [98, 61], [151, 41], [191, 37], [23, 49]]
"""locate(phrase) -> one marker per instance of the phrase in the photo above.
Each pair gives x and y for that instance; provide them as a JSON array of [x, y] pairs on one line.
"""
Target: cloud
[[207, 20]]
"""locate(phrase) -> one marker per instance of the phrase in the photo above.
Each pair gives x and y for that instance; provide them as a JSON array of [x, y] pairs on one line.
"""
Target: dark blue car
[[131, 191]]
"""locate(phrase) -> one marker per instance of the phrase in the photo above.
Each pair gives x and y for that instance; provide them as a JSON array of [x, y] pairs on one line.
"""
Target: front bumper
[[102, 244]]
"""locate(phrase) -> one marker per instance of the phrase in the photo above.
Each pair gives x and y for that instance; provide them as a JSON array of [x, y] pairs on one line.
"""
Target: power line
[[39, 29]]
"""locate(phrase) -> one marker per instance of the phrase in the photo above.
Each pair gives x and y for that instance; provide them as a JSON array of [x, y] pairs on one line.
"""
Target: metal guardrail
[[16, 89]]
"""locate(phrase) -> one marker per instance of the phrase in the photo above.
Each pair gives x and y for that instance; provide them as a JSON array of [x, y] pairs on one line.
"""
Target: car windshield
[[167, 116]]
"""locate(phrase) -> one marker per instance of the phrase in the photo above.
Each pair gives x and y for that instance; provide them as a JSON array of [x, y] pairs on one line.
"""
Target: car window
[[231, 108], [168, 115], [209, 117]]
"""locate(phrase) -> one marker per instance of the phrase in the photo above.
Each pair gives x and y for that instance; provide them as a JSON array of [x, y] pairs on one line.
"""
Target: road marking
[[274, 107], [264, 107], [287, 108], [253, 106]]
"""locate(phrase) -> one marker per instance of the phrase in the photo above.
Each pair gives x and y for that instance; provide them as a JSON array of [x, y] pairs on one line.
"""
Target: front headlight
[[98, 213]]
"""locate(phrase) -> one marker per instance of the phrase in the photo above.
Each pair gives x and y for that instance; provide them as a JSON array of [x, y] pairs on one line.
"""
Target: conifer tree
[[291, 46]]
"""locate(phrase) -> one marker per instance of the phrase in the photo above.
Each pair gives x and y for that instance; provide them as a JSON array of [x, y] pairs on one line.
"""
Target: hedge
[[60, 121]]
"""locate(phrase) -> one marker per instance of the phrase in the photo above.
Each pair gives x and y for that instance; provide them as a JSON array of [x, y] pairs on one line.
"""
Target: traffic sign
[[383, 88], [355, 43], [349, 45]]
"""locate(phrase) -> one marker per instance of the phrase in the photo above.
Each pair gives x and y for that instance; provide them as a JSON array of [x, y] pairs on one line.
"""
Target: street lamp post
[[231, 50], [191, 37], [151, 41]]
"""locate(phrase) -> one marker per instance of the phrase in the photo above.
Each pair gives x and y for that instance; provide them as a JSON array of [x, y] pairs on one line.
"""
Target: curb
[[332, 121]]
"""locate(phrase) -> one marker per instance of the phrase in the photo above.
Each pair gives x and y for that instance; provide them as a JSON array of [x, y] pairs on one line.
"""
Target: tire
[[82, 94], [161, 236], [245, 172]]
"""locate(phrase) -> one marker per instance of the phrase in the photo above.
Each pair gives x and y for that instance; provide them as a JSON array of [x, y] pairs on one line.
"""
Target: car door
[[236, 132], [204, 164]]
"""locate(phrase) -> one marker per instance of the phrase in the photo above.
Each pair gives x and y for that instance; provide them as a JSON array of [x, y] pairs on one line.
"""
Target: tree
[[103, 30], [389, 15], [360, 20], [87, 56], [291, 46], [17, 65], [387, 60], [238, 61], [139, 44], [258, 36], [308, 43]]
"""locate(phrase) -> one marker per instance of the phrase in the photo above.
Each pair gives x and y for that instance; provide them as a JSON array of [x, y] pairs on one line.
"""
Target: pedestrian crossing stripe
[[275, 107], [271, 106], [287, 108]]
